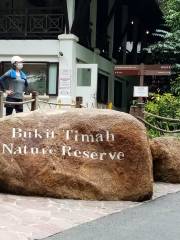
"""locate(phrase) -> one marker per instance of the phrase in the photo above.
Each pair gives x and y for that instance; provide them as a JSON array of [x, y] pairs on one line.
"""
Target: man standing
[[14, 83]]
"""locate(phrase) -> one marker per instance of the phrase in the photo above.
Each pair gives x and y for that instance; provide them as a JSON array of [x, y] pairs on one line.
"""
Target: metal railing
[[31, 23]]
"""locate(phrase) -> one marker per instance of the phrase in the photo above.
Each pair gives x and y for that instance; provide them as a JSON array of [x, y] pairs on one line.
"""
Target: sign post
[[141, 70], [140, 99]]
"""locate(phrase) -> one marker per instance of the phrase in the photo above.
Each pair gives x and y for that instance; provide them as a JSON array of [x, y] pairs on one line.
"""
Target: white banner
[[65, 76]]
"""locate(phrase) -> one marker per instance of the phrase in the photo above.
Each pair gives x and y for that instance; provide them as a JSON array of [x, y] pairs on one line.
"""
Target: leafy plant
[[167, 106], [175, 86], [168, 49]]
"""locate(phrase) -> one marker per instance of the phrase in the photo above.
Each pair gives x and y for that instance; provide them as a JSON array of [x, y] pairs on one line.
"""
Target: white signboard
[[65, 76], [141, 91]]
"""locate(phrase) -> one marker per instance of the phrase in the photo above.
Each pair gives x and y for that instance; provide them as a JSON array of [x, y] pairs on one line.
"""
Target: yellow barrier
[[110, 105]]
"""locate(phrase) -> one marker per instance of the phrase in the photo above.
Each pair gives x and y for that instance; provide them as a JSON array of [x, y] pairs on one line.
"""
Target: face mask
[[19, 66]]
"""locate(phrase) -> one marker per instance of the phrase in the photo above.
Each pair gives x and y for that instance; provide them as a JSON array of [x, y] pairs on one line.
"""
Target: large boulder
[[78, 154], [166, 159]]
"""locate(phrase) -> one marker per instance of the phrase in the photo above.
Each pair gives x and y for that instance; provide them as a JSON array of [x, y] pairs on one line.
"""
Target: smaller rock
[[166, 159]]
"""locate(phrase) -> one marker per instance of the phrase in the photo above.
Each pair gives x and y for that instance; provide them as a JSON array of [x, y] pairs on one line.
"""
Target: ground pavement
[[29, 218], [155, 220]]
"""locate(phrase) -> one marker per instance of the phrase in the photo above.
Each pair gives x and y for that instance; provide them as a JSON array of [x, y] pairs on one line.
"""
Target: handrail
[[42, 97], [83, 106], [29, 9], [58, 104], [35, 102], [156, 128], [29, 97], [19, 103], [163, 118]]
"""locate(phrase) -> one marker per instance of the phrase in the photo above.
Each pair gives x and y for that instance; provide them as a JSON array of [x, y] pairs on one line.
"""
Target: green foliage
[[165, 105], [171, 9], [175, 86], [168, 50]]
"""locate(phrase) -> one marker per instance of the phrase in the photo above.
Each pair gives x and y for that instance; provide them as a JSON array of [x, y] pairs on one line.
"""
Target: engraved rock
[[75, 153]]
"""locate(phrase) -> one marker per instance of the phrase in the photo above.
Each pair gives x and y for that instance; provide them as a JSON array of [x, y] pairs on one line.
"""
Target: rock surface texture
[[166, 156], [77, 154]]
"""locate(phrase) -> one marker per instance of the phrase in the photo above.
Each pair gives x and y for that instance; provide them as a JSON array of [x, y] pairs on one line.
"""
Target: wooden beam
[[64, 4], [111, 13], [139, 70], [81, 24]]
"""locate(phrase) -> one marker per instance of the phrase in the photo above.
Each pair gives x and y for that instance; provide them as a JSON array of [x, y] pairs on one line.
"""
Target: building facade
[[70, 47]]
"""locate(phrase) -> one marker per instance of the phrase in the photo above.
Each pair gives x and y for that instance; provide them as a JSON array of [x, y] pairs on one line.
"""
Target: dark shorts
[[17, 107]]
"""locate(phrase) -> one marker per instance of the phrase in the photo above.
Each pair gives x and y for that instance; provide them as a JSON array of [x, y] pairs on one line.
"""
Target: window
[[102, 92], [83, 77], [53, 79], [37, 76], [42, 77], [117, 94]]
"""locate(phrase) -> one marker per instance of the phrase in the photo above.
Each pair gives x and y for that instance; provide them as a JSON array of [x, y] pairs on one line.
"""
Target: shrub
[[165, 105]]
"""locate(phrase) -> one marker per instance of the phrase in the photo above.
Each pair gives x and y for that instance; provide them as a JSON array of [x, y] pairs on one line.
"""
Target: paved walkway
[[155, 220], [29, 218]]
